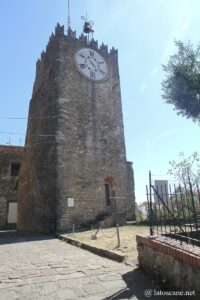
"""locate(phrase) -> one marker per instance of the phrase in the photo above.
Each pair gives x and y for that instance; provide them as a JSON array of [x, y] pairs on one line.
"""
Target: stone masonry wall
[[37, 185], [3, 212], [8, 155], [176, 268], [130, 192]]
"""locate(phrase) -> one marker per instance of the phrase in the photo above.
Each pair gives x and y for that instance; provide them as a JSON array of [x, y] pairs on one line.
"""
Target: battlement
[[60, 32]]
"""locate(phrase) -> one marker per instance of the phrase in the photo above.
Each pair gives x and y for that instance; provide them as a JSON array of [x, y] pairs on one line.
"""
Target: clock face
[[91, 64]]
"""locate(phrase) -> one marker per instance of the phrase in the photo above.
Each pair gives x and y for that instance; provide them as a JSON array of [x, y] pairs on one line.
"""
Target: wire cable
[[16, 133], [30, 118]]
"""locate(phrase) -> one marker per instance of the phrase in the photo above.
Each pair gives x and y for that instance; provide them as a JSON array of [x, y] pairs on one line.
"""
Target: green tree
[[181, 87], [186, 172], [186, 168]]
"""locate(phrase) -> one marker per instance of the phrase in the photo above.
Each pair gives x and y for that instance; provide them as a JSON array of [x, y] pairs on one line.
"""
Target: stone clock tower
[[74, 168]]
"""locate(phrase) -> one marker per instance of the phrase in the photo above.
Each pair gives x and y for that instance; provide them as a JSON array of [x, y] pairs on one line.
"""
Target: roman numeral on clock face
[[102, 72], [92, 75], [91, 53], [81, 55], [82, 66]]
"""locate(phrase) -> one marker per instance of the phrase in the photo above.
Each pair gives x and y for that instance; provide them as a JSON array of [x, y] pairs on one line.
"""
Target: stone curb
[[99, 251]]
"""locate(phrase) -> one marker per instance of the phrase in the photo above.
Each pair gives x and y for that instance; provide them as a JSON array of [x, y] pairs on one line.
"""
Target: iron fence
[[174, 210]]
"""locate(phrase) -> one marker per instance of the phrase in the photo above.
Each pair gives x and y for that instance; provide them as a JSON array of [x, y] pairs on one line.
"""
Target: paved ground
[[42, 267]]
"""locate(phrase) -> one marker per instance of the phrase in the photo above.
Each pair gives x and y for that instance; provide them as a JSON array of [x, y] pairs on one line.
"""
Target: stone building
[[74, 167], [10, 161]]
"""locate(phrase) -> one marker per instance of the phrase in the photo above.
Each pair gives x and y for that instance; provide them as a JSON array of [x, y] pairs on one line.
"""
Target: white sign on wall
[[12, 213], [70, 202]]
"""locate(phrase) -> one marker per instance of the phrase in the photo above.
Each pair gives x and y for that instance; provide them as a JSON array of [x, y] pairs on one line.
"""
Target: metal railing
[[174, 211]]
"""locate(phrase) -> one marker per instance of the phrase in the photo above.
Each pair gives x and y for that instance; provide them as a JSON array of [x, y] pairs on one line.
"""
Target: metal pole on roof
[[68, 18]]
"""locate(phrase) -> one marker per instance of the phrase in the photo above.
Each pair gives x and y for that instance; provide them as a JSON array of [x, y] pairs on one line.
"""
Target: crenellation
[[83, 38], [59, 30], [38, 63], [72, 33], [114, 51], [51, 38], [43, 54], [104, 48], [94, 43]]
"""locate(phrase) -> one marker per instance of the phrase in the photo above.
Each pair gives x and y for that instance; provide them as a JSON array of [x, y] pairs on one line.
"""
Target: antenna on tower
[[68, 19]]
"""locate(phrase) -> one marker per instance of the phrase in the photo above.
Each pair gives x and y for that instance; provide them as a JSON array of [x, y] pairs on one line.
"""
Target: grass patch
[[106, 240]]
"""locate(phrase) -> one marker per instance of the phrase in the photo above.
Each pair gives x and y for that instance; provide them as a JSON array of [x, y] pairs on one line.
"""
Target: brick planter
[[177, 266]]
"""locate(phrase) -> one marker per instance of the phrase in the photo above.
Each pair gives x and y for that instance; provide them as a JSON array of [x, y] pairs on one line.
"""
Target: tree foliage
[[181, 86], [141, 211], [187, 168]]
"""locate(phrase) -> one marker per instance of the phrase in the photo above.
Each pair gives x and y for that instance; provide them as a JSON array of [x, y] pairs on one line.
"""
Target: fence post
[[118, 237], [94, 237], [73, 228], [150, 206], [193, 204]]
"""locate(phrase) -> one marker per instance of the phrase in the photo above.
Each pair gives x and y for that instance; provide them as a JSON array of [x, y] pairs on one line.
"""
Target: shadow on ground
[[13, 237], [138, 285]]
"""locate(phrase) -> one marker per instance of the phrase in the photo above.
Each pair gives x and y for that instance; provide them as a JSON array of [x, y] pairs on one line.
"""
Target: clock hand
[[92, 64]]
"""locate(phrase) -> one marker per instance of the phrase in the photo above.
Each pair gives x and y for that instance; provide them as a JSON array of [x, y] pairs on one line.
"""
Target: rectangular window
[[15, 169], [107, 192]]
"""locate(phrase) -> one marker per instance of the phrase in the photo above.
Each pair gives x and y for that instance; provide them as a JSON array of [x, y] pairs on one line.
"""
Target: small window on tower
[[14, 171], [107, 192]]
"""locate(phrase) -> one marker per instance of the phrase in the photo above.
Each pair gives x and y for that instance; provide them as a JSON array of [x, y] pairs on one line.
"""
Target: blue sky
[[144, 32]]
